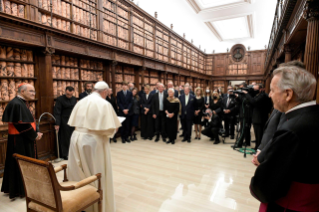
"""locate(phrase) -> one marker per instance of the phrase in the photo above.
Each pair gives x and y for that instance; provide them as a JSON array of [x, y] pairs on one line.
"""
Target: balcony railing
[[283, 12]]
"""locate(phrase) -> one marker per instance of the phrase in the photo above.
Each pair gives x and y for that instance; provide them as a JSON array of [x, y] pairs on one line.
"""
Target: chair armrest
[[60, 168], [82, 183]]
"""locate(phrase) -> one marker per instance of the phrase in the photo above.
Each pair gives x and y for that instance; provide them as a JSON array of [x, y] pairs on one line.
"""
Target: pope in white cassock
[[95, 122]]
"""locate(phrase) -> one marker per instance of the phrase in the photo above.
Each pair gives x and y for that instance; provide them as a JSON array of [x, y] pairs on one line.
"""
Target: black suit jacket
[[188, 111], [232, 106], [125, 102], [148, 103], [155, 97], [260, 104], [276, 120], [112, 100], [291, 160], [82, 95]]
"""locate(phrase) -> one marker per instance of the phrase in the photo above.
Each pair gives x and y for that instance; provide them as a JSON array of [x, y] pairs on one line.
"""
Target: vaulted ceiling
[[217, 24]]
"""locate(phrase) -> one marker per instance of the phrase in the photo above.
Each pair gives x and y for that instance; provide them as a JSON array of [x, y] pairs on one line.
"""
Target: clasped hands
[[170, 115], [255, 159]]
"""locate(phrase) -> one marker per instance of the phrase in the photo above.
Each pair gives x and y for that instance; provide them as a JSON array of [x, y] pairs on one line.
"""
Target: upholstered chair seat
[[45, 194]]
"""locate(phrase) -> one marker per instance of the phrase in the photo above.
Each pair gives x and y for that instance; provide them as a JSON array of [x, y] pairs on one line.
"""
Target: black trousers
[[125, 130], [160, 124], [187, 125], [229, 122], [211, 132], [244, 134], [259, 131]]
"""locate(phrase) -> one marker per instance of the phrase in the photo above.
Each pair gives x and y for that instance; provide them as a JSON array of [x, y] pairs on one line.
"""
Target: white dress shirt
[[302, 105], [186, 99]]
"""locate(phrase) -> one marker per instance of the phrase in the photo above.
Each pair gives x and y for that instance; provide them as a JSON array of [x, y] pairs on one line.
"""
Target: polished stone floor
[[185, 177]]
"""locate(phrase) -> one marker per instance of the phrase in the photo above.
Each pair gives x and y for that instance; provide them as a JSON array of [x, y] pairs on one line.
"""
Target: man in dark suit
[[88, 86], [228, 111], [189, 105], [261, 104], [156, 89], [288, 180], [124, 102], [171, 85], [159, 112], [111, 99]]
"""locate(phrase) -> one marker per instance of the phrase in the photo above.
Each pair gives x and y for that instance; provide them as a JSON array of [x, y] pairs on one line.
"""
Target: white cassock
[[95, 121]]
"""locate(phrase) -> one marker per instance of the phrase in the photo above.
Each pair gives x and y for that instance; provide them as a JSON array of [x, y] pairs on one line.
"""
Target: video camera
[[249, 89]]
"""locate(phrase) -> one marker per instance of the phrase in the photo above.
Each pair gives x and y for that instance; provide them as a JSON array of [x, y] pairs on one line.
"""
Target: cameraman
[[214, 124], [245, 114], [228, 110], [262, 105]]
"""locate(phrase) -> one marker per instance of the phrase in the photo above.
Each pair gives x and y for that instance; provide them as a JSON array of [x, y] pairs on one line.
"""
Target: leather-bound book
[[3, 52], [3, 69], [17, 69], [24, 70], [12, 89], [10, 53], [23, 54], [10, 69], [4, 90], [29, 56], [31, 70], [21, 10]]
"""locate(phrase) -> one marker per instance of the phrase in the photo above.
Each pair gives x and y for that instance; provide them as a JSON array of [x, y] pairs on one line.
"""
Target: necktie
[[228, 100], [161, 101]]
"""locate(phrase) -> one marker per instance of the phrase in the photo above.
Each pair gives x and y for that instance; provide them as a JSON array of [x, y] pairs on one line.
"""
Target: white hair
[[22, 88], [302, 82], [161, 84], [171, 89]]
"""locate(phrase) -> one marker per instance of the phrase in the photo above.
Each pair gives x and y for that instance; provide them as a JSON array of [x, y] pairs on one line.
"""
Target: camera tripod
[[240, 134]]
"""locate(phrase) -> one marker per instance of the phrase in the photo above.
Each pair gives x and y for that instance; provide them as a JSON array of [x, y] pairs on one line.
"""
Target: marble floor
[[185, 177]]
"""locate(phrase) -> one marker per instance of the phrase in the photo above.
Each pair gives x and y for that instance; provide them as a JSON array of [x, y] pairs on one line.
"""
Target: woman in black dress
[[147, 121], [216, 102], [136, 113], [199, 112], [172, 107]]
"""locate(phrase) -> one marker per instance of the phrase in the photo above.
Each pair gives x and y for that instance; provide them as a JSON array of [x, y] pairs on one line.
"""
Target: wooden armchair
[[45, 194]]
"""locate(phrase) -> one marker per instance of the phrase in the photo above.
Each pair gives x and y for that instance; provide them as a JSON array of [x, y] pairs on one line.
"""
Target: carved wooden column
[[226, 83], [287, 50], [312, 42], [46, 97], [106, 73], [113, 70], [143, 71], [137, 77]]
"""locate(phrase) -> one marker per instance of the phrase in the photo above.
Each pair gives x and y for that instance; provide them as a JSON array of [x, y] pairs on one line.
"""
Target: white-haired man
[[95, 122], [159, 113], [288, 178], [170, 84]]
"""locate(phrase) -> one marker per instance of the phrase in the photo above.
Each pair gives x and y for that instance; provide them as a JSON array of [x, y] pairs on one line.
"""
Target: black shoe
[[123, 140], [211, 139], [216, 142], [131, 138], [173, 142], [144, 138], [150, 138], [168, 142], [114, 140], [181, 136], [189, 140], [164, 139], [157, 139], [66, 158], [198, 138], [236, 146], [195, 137], [134, 137], [253, 141], [226, 135], [128, 140], [185, 139], [232, 137]]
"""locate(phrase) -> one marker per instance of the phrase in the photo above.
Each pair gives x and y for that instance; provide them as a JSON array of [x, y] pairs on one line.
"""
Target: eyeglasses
[[32, 92]]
